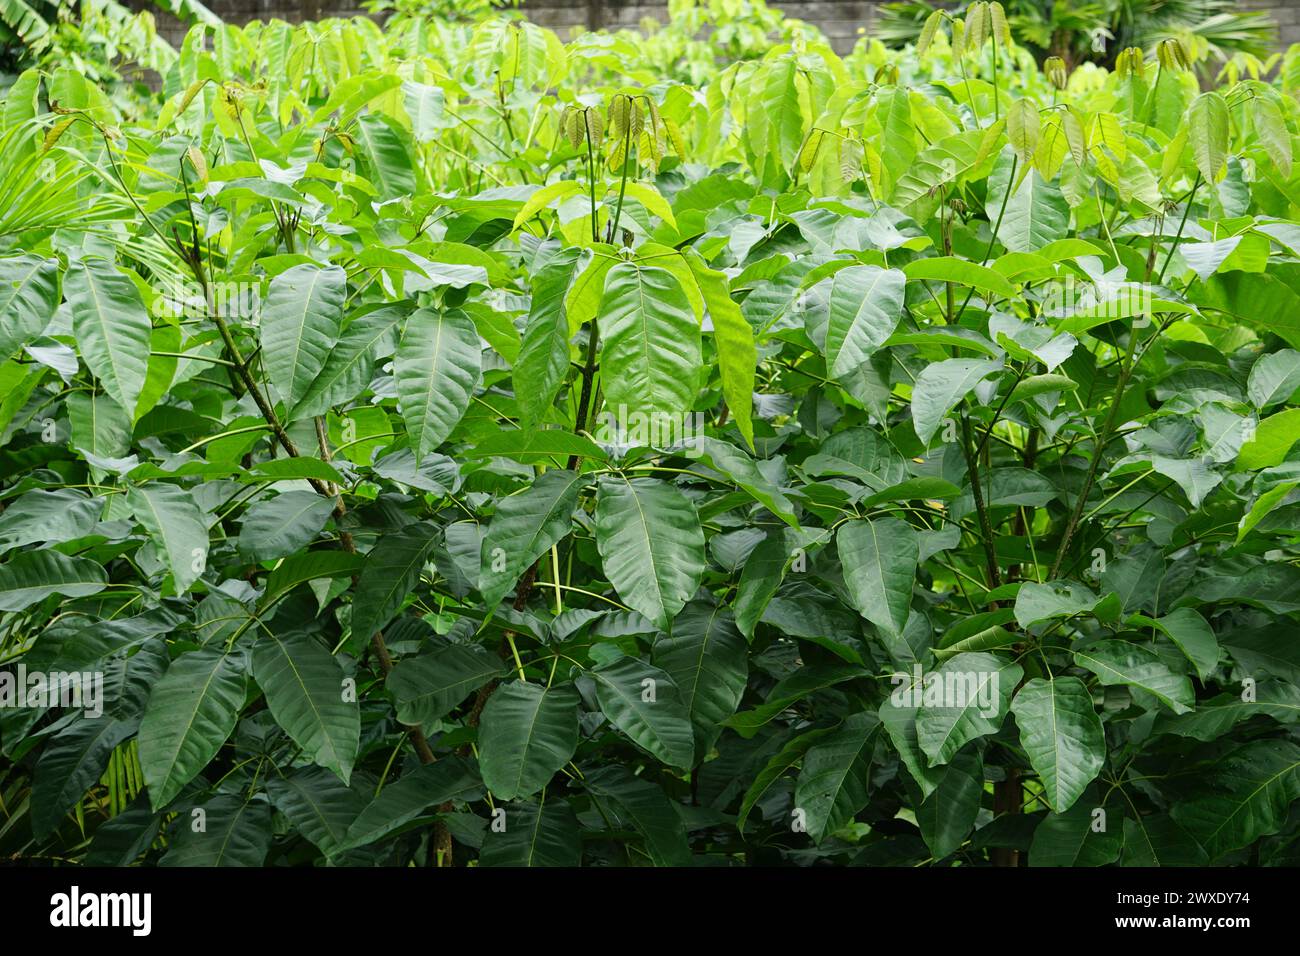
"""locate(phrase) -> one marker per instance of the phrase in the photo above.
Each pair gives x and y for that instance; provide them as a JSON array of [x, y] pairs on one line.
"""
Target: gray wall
[[840, 20]]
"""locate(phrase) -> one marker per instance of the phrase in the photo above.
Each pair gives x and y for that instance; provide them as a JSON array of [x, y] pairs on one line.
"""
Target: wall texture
[[843, 21]]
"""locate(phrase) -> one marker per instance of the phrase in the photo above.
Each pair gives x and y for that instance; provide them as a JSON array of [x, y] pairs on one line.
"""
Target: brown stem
[[1006, 799]]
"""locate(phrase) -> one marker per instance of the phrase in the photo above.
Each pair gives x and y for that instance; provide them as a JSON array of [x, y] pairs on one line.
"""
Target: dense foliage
[[447, 444]]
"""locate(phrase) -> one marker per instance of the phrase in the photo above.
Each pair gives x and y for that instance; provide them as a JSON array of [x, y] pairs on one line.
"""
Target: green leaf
[[651, 545], [174, 521], [190, 715], [309, 697], [428, 686], [350, 364], [317, 803], [834, 780], [646, 704], [99, 425], [300, 322], [1247, 793], [310, 566], [1036, 212], [880, 559], [707, 658], [29, 294], [1212, 719], [111, 326], [545, 835], [865, 306], [1193, 635], [1274, 378], [236, 832], [279, 526], [1125, 664], [32, 576], [1208, 128], [1273, 439], [982, 686], [788, 756], [390, 573], [650, 358], [1076, 837], [70, 764], [940, 386], [537, 446], [544, 353], [526, 525], [400, 802], [737, 352], [437, 368], [527, 732], [645, 807], [947, 816], [961, 272], [1062, 736]]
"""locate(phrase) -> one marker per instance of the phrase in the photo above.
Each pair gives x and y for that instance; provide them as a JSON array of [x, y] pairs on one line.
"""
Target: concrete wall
[[842, 21]]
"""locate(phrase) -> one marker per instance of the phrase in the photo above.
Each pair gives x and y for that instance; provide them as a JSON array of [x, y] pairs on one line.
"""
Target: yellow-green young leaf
[[1208, 127], [1174, 153], [1074, 137], [544, 197], [1273, 133], [992, 140], [958, 39], [588, 287], [1273, 439], [1053, 147], [928, 32], [654, 203], [978, 22], [737, 353], [999, 28], [1022, 129], [808, 153], [1109, 134]]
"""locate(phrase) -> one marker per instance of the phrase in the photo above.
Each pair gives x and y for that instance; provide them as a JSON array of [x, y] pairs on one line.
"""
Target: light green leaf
[[174, 521], [865, 306], [111, 326], [940, 386], [437, 368], [300, 322], [651, 545], [650, 358]]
